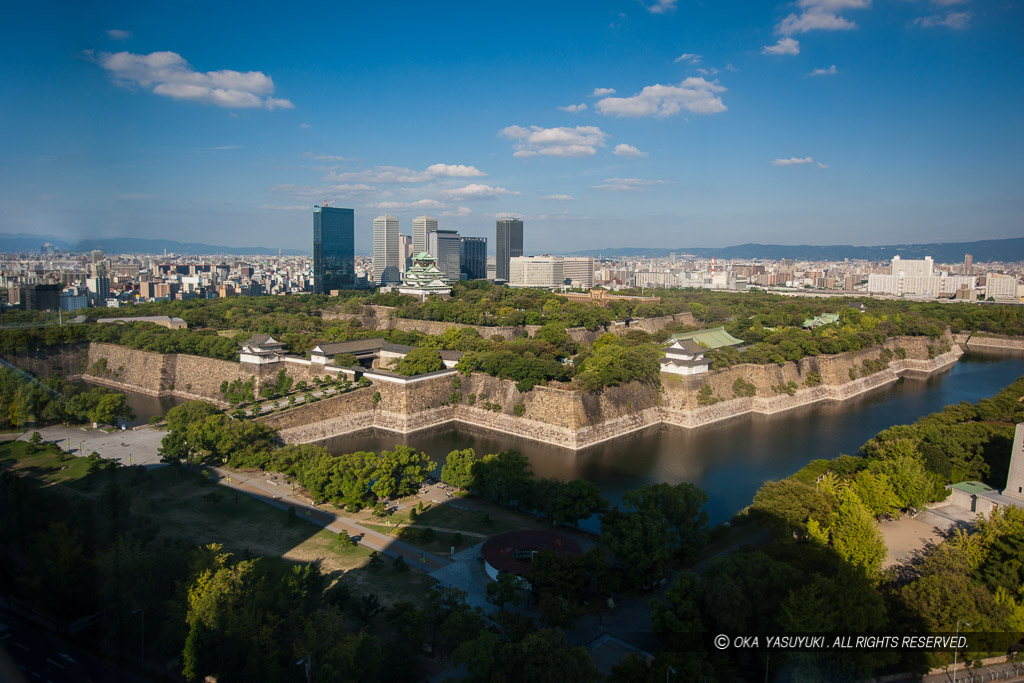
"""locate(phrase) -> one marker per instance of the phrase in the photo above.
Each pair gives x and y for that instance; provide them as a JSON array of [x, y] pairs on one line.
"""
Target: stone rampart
[[986, 342], [67, 361]]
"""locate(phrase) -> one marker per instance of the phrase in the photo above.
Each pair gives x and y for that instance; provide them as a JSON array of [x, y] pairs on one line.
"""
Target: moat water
[[729, 460]]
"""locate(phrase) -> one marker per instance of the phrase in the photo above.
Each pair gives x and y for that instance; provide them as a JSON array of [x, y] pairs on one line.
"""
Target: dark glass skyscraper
[[334, 249], [473, 258], [508, 243]]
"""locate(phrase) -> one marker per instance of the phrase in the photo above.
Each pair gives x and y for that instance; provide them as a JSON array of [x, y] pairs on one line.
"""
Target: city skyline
[[618, 124]]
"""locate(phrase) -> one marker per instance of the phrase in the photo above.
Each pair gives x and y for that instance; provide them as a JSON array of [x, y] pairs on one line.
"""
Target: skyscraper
[[508, 243], [422, 226], [385, 250], [473, 258], [334, 258], [445, 245]]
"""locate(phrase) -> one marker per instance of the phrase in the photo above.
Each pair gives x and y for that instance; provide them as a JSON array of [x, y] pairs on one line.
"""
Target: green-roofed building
[[714, 338], [819, 320]]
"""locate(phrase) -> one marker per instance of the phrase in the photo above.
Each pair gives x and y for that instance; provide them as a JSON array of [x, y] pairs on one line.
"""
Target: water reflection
[[729, 460]]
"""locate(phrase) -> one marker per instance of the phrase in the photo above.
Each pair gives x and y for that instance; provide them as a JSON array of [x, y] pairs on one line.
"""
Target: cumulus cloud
[[475, 191], [958, 21], [785, 46], [303, 125], [624, 150], [118, 34], [629, 184], [601, 92], [462, 211], [694, 94], [574, 108], [168, 74], [821, 165], [689, 57], [419, 204], [400, 174], [831, 71], [559, 197], [793, 161], [563, 141], [661, 6], [821, 15]]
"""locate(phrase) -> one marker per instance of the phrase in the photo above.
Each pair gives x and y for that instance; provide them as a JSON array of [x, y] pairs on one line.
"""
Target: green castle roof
[[713, 338]]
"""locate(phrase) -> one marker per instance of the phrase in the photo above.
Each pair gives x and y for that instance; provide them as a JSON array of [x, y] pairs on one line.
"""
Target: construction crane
[[327, 203]]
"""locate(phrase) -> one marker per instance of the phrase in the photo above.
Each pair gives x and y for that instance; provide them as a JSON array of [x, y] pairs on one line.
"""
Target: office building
[[334, 263], [912, 267], [445, 245], [39, 297], [508, 245], [968, 264], [422, 226], [99, 289], [1000, 287], [579, 271], [404, 252], [385, 250], [536, 271], [473, 258]]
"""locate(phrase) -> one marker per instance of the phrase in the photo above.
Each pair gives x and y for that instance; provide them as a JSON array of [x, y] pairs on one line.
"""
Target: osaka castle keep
[[424, 278]]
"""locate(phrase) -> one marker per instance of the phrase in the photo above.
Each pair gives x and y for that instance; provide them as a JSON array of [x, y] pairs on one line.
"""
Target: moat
[[731, 459]]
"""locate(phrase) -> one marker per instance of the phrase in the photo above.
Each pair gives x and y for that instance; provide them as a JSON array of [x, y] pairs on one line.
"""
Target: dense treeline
[[25, 400]]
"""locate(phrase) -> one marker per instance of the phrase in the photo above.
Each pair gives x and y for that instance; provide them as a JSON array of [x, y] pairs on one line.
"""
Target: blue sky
[[602, 124]]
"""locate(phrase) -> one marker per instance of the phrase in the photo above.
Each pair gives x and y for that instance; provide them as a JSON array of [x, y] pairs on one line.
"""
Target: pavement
[[909, 535], [129, 447]]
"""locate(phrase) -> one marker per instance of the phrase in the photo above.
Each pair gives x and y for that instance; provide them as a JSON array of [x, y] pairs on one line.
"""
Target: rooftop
[[712, 338]]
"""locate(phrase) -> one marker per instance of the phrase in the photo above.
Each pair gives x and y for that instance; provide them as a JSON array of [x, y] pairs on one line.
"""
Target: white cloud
[[419, 204], [661, 6], [400, 174], [694, 94], [475, 191], [133, 196], [601, 92], [947, 3], [168, 74], [821, 165], [689, 57], [277, 207], [821, 15], [454, 171], [958, 21], [629, 184], [793, 161], [325, 157], [831, 71], [118, 34], [319, 192], [785, 46], [624, 150], [460, 212], [559, 197], [563, 141], [574, 108], [303, 125]]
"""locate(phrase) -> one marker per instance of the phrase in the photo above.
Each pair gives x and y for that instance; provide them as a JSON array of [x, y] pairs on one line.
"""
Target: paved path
[[274, 492], [129, 447]]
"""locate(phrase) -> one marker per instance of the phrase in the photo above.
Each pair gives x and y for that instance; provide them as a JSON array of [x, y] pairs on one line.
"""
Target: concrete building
[[1015, 477], [334, 262], [445, 246], [579, 270], [982, 499], [40, 297], [99, 289], [405, 252], [385, 250], [536, 271], [422, 226], [1000, 287], [911, 267], [508, 244]]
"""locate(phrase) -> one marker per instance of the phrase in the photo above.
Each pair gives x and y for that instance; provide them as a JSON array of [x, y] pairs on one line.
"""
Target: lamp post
[[955, 651]]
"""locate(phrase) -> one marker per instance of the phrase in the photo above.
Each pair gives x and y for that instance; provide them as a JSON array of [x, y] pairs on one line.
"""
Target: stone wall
[[985, 342], [66, 361], [382, 318]]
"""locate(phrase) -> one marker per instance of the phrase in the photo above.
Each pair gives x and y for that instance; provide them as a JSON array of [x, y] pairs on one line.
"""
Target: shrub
[[420, 361], [519, 409], [707, 397], [376, 397], [813, 379], [471, 399], [741, 387], [789, 388]]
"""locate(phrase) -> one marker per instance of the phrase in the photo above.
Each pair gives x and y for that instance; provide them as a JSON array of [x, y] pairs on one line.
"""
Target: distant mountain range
[[943, 252], [25, 243]]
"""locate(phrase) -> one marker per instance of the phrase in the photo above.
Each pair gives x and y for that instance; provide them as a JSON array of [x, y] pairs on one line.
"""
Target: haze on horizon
[[652, 123]]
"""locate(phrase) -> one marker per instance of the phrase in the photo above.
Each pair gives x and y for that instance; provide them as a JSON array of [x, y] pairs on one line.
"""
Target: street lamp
[[955, 650]]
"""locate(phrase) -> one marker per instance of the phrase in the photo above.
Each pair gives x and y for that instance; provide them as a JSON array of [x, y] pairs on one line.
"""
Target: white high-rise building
[[579, 270], [536, 271], [422, 226], [912, 267], [385, 250]]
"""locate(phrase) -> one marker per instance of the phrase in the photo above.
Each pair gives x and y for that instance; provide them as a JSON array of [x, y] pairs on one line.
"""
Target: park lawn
[[45, 463], [323, 547], [380, 578], [446, 516], [440, 543]]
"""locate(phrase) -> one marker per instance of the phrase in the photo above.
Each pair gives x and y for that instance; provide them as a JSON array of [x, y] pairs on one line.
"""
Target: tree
[[575, 500], [458, 468], [789, 505], [543, 656], [506, 478], [854, 535], [420, 361], [507, 589]]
